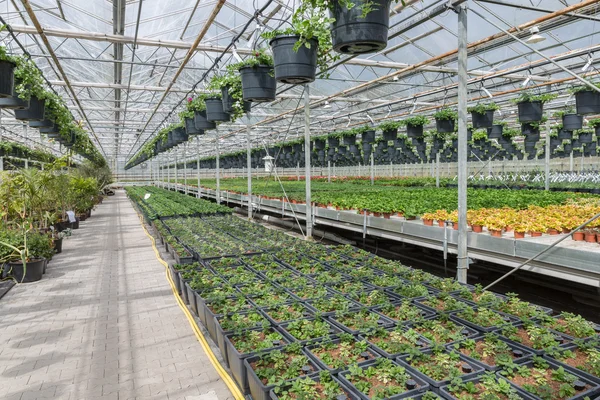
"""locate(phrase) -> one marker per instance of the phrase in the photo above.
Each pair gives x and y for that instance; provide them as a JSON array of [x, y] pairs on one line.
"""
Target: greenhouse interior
[[299, 200]]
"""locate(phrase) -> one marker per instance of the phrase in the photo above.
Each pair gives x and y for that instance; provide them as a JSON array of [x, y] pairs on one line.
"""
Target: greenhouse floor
[[103, 323]]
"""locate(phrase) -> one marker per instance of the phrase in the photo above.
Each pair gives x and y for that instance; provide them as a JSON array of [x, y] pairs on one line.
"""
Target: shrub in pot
[[482, 115], [258, 81], [445, 120], [531, 107]]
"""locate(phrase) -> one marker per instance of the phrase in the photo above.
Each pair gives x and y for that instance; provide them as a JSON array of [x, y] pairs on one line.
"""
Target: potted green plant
[[482, 114], [258, 81], [230, 86], [14, 252], [214, 108], [197, 105], [587, 100], [531, 106], [445, 120], [298, 50], [389, 129], [414, 126], [570, 120], [7, 73]]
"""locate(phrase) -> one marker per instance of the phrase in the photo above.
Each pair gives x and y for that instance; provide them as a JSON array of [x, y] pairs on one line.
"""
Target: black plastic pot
[[294, 67], [444, 125], [587, 102], [258, 84], [390, 134], [214, 111], [483, 120], [563, 134], [14, 102], [353, 34], [495, 132], [46, 123], [414, 131], [54, 129], [368, 136], [178, 135], [201, 122], [585, 137], [35, 112], [349, 140], [319, 144], [58, 245], [530, 111], [572, 122], [33, 271], [7, 78], [228, 101], [190, 127], [333, 142]]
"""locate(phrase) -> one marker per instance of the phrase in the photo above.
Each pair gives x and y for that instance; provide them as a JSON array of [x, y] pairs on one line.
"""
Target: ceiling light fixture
[[535, 36]]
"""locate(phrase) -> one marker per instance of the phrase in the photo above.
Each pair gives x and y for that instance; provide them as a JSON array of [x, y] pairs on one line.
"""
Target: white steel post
[[307, 160], [571, 162], [176, 173], [199, 192], [328, 171], [463, 260], [547, 158], [218, 171], [249, 165], [185, 187], [372, 169], [437, 169]]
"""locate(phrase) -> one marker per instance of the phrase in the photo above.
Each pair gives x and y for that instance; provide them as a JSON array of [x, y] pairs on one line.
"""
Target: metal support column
[[176, 173], [372, 169], [218, 171], [437, 169], [199, 191], [547, 158], [249, 164], [463, 260], [185, 187], [309, 216], [328, 171], [571, 162], [1, 163], [26, 163]]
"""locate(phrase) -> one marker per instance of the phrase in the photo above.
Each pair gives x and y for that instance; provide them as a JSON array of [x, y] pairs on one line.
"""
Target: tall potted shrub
[[258, 81], [482, 114]]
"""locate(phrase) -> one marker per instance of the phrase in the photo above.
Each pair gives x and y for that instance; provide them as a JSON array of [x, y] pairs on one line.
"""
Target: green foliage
[[483, 108], [257, 58], [446, 114], [418, 120], [390, 125], [530, 97]]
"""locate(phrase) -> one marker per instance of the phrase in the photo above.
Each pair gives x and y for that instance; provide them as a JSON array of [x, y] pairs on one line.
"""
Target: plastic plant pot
[[291, 66], [14, 102], [258, 84], [46, 123], [347, 393], [178, 135], [495, 132], [7, 78], [572, 122], [530, 111], [391, 134], [190, 127], [368, 137], [483, 120], [520, 354], [35, 112], [201, 122], [353, 34], [564, 134], [313, 350], [414, 131], [228, 101], [214, 111], [32, 272], [587, 102], [444, 125], [349, 140], [319, 144]]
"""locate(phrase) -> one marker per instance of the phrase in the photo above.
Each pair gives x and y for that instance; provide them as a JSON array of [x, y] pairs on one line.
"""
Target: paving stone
[[102, 323]]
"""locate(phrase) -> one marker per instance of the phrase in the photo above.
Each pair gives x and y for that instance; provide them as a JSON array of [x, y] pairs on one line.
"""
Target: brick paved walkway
[[103, 323]]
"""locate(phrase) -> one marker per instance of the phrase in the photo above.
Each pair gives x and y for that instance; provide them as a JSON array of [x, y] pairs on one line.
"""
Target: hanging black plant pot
[[391, 134], [353, 34], [228, 101], [367, 147], [258, 83], [35, 112], [46, 123], [341, 149], [585, 137], [530, 111], [414, 131], [572, 122], [444, 125], [348, 140], [319, 144], [564, 134], [190, 127], [294, 67], [353, 149], [179, 135], [50, 129], [495, 132], [483, 120], [333, 142], [368, 136], [587, 102], [214, 111], [201, 122], [14, 102], [7, 78]]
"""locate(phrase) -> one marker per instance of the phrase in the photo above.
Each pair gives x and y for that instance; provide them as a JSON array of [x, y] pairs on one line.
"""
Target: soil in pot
[[258, 84], [354, 34], [294, 66]]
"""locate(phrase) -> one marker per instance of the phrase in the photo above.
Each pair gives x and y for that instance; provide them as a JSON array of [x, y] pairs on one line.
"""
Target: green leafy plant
[[528, 97], [446, 114], [418, 120], [483, 108], [380, 380]]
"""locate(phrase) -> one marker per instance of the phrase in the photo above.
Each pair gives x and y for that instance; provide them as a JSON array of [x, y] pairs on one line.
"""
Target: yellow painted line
[[205, 346]]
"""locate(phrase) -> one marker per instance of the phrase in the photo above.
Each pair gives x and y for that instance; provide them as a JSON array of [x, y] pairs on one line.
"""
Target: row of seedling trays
[[344, 324]]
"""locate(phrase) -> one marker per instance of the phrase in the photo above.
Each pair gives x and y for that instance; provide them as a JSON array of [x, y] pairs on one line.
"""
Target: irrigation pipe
[[235, 391], [595, 217]]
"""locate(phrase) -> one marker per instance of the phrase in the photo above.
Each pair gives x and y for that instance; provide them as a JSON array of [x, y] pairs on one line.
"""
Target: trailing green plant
[[258, 57], [446, 114], [528, 97], [418, 120], [390, 125]]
